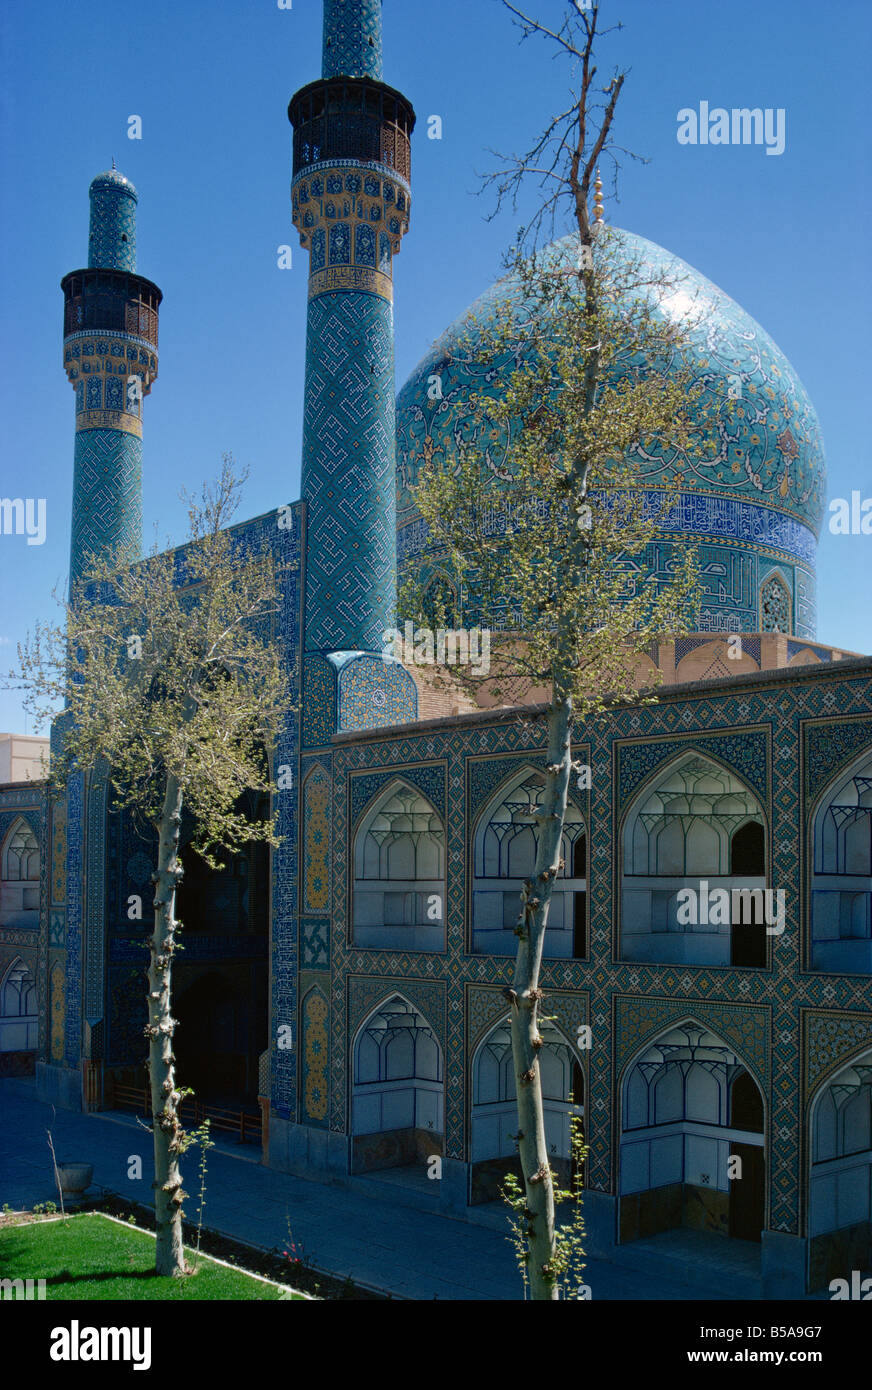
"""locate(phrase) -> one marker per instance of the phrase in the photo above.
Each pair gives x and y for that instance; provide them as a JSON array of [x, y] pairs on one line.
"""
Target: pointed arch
[[681, 1132], [20, 853], [776, 604], [19, 875], [694, 834], [18, 1008], [504, 840], [397, 1090], [398, 857], [493, 1107], [839, 1144], [840, 916]]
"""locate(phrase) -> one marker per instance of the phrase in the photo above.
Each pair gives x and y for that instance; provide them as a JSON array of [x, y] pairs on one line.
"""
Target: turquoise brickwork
[[112, 235], [351, 200], [348, 445], [784, 737], [111, 361], [753, 501], [783, 734], [107, 496], [352, 38]]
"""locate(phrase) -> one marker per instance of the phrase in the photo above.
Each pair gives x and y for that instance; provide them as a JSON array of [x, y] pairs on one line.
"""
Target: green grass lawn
[[90, 1256]]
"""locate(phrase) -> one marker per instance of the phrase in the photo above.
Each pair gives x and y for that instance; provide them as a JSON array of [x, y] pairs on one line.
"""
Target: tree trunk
[[168, 1194], [526, 1040]]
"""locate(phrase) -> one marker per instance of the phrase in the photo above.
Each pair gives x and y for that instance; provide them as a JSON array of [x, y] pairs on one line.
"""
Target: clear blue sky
[[788, 236]]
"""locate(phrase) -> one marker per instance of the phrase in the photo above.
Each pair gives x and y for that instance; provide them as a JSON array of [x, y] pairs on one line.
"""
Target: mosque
[[708, 1041]]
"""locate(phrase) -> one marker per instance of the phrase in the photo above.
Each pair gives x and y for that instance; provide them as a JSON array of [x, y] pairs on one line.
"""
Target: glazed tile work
[[762, 1012], [351, 214], [316, 1046], [348, 472], [754, 504], [110, 357], [353, 38], [112, 234]]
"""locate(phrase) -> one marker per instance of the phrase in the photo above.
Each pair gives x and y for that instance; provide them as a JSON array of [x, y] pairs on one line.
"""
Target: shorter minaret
[[110, 357]]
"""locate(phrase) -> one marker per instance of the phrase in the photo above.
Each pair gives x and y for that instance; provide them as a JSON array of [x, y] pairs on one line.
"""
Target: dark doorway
[[579, 906], [747, 1193], [748, 939], [746, 1104], [220, 1035]]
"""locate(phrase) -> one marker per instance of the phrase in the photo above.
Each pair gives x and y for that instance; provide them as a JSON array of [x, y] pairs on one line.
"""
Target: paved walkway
[[411, 1254]]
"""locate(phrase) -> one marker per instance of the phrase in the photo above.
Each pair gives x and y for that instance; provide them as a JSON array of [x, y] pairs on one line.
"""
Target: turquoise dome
[[754, 510]]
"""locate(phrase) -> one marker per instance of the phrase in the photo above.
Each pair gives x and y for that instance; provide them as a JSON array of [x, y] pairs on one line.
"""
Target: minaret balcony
[[352, 119], [111, 301]]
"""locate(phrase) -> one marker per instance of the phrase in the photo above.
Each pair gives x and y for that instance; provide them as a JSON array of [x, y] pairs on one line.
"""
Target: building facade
[[377, 939]]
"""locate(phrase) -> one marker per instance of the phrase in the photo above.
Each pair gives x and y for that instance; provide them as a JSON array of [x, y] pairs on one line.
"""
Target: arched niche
[[841, 883], [398, 898], [693, 839], [776, 604], [504, 855], [840, 1183], [397, 1097], [692, 1139], [18, 1009], [494, 1113], [714, 660], [19, 876]]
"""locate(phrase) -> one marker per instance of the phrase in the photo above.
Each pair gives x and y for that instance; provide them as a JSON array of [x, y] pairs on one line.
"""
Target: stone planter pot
[[75, 1178]]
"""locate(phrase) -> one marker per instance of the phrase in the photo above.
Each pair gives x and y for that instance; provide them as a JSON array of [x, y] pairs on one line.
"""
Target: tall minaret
[[351, 197], [110, 357]]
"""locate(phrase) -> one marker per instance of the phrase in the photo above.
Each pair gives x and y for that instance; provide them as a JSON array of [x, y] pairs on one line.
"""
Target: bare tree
[[171, 683], [589, 368]]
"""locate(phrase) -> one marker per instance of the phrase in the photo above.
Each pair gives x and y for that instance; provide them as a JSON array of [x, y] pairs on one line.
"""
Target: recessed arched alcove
[[19, 876], [398, 897], [840, 1182], [692, 1150], [504, 855], [18, 1008], [841, 881], [397, 1102], [494, 1113], [693, 839]]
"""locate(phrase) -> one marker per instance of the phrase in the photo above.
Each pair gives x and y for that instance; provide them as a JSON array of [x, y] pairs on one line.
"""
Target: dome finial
[[113, 162], [598, 201]]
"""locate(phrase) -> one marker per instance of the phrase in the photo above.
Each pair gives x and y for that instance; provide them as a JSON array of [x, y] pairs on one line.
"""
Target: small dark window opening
[[579, 857], [748, 850], [746, 1104], [579, 926]]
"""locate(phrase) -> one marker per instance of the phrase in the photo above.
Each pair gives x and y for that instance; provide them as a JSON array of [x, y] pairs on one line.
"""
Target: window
[[775, 605]]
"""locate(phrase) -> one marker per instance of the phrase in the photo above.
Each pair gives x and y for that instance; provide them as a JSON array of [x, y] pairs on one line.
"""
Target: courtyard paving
[[381, 1243]]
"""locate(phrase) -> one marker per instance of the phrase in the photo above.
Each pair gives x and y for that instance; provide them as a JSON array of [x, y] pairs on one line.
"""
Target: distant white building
[[23, 758]]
